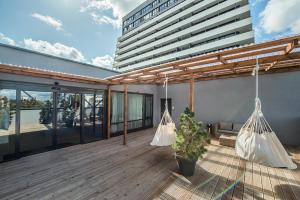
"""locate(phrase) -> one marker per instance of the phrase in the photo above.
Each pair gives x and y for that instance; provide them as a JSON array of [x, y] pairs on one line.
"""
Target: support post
[[125, 114], [108, 112], [192, 93]]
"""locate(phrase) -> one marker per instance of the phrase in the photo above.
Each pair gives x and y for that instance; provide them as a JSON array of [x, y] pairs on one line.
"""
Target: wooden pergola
[[281, 55], [273, 56]]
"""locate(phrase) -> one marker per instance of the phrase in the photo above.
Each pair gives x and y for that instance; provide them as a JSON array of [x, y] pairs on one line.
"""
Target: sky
[[87, 30]]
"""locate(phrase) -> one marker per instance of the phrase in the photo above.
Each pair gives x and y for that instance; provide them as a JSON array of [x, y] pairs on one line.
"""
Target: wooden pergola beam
[[125, 114], [222, 60], [39, 73], [108, 111], [192, 93], [271, 65], [290, 47]]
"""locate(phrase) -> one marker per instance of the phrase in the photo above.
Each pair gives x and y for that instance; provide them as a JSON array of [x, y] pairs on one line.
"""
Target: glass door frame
[[20, 86]]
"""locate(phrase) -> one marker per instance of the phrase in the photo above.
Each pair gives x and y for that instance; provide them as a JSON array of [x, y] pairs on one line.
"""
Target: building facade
[[160, 31]]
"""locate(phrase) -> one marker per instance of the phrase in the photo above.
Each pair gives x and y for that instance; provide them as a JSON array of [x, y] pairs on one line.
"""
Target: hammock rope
[[165, 134], [257, 141]]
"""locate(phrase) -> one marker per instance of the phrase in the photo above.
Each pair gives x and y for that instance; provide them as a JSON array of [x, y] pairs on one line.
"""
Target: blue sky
[[87, 30]]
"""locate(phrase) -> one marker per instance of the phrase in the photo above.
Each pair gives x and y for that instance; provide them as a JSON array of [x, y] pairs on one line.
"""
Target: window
[[163, 6], [155, 11], [7, 121], [68, 118], [171, 2], [36, 120], [117, 110], [136, 23], [140, 111], [155, 3], [135, 111], [92, 117], [146, 17]]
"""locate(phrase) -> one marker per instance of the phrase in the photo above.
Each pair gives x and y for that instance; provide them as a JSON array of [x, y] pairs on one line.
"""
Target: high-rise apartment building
[[160, 31]]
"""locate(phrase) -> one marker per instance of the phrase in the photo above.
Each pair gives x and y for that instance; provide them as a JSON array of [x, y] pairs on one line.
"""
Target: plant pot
[[186, 167]]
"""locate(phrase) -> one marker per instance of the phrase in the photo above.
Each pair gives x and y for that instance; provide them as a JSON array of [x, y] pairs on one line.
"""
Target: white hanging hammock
[[165, 134], [257, 142]]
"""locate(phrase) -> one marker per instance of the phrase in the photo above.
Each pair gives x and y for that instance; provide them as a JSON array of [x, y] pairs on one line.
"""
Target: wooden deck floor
[[109, 170]]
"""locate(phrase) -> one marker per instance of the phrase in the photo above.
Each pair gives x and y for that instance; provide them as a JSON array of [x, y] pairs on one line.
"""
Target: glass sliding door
[[117, 110], [148, 114], [68, 118], [92, 117], [88, 117], [7, 122], [140, 112], [99, 115], [36, 120], [135, 111]]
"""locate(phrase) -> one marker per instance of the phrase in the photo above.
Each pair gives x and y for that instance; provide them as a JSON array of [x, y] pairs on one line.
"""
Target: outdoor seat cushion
[[225, 126]]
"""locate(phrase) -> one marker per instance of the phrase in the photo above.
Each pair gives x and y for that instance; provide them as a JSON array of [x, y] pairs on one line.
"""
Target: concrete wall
[[24, 57], [232, 100]]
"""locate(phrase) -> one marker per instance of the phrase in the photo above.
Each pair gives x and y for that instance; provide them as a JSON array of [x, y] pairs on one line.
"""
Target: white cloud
[[103, 61], [105, 20], [98, 10], [256, 2], [55, 23], [281, 16], [56, 49], [6, 39]]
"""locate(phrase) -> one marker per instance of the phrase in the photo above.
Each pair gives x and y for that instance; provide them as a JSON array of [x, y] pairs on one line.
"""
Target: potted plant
[[191, 138]]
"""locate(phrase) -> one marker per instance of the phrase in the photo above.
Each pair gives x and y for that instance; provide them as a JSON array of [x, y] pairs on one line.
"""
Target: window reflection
[[36, 120], [68, 118], [99, 114], [7, 121], [92, 117]]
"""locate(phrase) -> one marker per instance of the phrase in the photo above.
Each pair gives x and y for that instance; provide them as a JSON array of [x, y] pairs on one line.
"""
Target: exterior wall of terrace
[[232, 100], [188, 28]]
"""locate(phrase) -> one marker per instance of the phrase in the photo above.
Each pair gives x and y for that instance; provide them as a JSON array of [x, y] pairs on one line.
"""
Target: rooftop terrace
[[109, 170]]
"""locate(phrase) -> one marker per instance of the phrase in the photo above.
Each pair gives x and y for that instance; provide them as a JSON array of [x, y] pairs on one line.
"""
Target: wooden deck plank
[[266, 183], [248, 188], [239, 187], [231, 180], [284, 185], [278, 192], [257, 182], [213, 167], [221, 185], [109, 170]]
